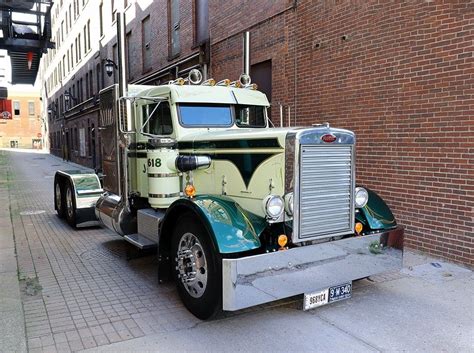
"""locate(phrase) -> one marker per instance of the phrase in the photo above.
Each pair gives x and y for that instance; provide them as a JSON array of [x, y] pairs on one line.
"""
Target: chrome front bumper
[[259, 279]]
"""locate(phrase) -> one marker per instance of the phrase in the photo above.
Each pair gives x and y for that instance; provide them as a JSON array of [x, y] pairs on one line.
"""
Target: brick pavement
[[88, 293]]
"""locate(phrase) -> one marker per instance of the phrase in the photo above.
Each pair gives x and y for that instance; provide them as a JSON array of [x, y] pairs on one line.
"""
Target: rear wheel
[[197, 268], [59, 199], [70, 206]]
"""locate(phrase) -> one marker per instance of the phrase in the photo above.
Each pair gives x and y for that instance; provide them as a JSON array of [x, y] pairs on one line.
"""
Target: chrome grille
[[325, 192]]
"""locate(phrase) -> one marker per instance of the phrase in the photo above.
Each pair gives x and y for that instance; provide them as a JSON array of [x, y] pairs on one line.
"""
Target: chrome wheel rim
[[58, 197], [70, 209], [191, 265]]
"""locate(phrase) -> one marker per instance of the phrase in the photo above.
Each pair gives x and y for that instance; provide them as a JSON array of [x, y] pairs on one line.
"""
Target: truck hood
[[236, 138], [264, 138]]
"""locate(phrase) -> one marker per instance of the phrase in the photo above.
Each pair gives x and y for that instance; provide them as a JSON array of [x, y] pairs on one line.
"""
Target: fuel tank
[[112, 211]]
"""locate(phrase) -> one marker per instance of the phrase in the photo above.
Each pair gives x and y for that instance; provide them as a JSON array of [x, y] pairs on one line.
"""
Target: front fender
[[233, 229], [376, 214]]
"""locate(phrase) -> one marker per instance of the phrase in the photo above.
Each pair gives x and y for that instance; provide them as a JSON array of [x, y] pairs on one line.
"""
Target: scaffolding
[[25, 32]]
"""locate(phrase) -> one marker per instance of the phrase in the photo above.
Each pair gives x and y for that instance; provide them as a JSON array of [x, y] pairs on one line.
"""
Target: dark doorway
[[261, 74]]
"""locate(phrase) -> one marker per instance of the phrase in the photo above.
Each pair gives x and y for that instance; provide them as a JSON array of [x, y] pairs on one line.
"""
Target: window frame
[[31, 104], [265, 117], [232, 116], [171, 27]]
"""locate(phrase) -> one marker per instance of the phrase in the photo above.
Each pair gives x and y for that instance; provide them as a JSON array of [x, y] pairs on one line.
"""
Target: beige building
[[20, 121]]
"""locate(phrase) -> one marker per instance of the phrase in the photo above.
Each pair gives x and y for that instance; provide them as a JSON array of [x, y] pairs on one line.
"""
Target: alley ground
[[65, 290]]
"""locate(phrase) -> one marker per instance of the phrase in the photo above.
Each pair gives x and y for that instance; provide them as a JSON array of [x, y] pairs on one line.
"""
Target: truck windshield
[[205, 115]]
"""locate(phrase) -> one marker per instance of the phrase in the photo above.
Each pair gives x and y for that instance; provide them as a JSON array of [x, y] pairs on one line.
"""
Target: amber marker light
[[282, 241], [252, 86], [209, 82], [358, 228], [190, 190], [225, 82]]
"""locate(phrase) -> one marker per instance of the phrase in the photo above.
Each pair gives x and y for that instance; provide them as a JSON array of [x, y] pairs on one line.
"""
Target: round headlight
[[273, 206], [361, 197], [289, 203]]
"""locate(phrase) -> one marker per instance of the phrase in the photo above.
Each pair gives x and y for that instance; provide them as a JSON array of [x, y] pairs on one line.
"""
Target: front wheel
[[197, 268]]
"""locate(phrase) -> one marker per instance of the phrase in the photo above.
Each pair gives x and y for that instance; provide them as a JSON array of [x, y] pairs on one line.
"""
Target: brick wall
[[24, 128], [398, 74]]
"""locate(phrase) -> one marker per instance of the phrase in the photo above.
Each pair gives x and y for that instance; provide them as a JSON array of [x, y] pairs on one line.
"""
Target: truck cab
[[242, 213]]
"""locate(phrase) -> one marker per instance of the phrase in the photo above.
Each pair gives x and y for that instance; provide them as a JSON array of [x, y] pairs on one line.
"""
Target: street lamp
[[68, 97], [52, 110], [110, 65]]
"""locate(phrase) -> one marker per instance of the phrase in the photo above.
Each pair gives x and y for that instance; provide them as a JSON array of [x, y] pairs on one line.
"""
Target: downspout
[[295, 9]]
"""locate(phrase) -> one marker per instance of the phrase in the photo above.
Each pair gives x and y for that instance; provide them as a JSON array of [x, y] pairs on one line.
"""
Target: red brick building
[[399, 74], [20, 119]]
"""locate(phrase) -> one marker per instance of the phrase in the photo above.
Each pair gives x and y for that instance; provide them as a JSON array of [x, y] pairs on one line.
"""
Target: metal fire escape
[[25, 32]]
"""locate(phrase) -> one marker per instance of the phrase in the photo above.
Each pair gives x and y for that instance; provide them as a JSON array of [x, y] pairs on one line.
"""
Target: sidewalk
[[75, 290], [12, 323]]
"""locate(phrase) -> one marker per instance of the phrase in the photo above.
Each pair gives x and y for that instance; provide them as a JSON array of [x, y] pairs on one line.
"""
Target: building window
[[74, 97], [114, 58], [79, 46], [75, 45], [31, 108], [99, 78], [68, 63], [174, 43], [146, 44], [82, 142], [85, 39], [101, 20], [129, 57], [81, 92], [89, 138], [70, 16], [91, 82], [88, 34], [87, 86], [201, 21], [114, 10], [16, 108]]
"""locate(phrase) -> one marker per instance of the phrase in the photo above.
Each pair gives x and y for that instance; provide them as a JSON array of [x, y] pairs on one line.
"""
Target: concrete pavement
[[428, 310], [79, 293], [12, 325]]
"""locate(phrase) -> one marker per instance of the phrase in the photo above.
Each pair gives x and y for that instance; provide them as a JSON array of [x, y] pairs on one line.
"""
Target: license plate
[[326, 296]]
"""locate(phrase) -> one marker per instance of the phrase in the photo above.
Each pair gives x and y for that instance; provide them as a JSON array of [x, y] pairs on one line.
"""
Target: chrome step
[[140, 241]]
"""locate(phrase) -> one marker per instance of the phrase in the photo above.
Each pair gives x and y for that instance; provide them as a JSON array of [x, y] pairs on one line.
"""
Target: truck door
[[108, 135]]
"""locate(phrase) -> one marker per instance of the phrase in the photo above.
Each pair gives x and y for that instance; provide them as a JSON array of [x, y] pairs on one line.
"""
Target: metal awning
[[25, 40]]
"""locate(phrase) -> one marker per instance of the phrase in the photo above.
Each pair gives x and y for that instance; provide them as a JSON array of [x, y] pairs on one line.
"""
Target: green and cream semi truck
[[241, 213]]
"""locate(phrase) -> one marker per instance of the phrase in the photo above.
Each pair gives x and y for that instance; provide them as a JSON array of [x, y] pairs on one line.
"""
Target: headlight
[[361, 197], [273, 206], [289, 203]]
